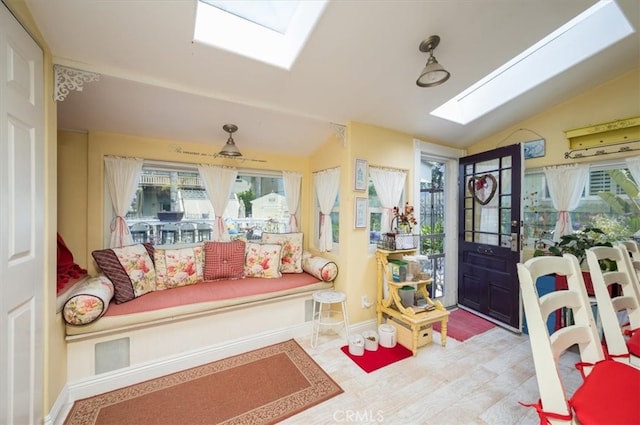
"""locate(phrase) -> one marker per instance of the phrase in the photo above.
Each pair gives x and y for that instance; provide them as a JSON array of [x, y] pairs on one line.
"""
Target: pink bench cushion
[[210, 291]]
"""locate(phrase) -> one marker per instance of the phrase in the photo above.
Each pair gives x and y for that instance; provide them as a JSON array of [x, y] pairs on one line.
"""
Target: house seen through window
[[172, 206]]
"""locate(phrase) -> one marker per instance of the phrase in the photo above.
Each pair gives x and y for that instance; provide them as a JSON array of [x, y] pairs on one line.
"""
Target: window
[[256, 204], [375, 214], [552, 55], [327, 200], [607, 181], [335, 222]]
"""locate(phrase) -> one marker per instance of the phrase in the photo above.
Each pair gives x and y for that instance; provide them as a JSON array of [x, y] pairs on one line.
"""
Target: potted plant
[[603, 231], [576, 243]]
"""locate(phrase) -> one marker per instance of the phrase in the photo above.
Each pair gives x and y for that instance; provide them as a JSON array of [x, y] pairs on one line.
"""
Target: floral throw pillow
[[88, 301], [178, 267], [291, 261], [262, 260], [130, 268]]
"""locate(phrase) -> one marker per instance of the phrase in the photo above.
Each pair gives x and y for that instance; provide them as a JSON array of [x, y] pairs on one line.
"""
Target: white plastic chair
[[597, 399], [626, 305]]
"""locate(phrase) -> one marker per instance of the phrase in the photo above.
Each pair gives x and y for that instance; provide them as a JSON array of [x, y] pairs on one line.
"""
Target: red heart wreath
[[482, 183]]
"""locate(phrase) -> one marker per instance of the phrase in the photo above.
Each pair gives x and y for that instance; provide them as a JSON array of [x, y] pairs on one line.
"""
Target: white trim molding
[[68, 79]]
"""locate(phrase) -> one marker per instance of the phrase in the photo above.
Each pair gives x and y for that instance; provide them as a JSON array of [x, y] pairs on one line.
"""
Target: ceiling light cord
[[515, 131]]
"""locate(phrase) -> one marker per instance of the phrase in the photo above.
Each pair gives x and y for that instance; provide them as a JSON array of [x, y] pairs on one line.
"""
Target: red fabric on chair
[[633, 344], [609, 395]]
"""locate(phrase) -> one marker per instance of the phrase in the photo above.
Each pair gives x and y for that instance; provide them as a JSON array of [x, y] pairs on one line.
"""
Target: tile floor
[[479, 381]]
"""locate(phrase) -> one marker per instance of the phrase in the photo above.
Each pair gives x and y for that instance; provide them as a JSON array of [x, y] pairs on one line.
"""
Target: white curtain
[[122, 176], [292, 182], [565, 184], [218, 182], [327, 184], [633, 164], [389, 185]]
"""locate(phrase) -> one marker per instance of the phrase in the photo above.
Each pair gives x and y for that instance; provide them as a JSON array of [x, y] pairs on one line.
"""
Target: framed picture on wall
[[361, 213], [534, 149], [360, 175]]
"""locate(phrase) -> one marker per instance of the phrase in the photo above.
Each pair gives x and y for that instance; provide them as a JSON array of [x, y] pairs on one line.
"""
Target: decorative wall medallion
[[482, 188], [67, 79]]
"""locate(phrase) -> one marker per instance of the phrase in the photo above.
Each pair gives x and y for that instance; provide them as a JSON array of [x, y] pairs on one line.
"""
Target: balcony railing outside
[[165, 180]]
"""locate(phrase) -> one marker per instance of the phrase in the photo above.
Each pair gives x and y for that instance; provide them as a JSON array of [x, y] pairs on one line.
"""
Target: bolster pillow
[[88, 301], [322, 268]]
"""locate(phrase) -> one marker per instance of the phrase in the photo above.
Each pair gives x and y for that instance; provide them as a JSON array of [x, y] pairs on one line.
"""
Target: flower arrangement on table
[[404, 221]]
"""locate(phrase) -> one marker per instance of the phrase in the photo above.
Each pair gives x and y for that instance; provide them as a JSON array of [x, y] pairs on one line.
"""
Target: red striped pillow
[[130, 268], [224, 260]]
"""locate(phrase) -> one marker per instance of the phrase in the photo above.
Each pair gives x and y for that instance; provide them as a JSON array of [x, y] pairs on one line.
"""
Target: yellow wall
[[81, 170], [384, 148], [615, 100], [82, 220], [84, 202], [72, 193], [82, 197], [54, 347]]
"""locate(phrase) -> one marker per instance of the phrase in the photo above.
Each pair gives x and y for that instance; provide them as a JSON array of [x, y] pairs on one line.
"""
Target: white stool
[[320, 299]]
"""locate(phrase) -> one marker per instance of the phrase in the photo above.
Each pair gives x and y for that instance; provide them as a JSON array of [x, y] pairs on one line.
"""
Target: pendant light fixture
[[433, 73], [230, 148]]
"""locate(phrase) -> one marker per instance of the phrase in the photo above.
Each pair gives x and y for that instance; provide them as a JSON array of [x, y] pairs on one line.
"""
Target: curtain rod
[[601, 150], [379, 167]]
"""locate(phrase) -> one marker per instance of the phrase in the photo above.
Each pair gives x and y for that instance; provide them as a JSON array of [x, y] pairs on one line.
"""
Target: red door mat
[[374, 360], [462, 325]]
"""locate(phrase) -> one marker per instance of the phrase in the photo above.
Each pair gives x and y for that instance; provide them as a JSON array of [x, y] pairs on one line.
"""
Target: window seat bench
[[167, 330], [202, 298]]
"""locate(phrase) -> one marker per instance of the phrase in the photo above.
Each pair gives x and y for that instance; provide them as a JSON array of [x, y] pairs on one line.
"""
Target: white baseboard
[[59, 409], [145, 371], [367, 325], [128, 376]]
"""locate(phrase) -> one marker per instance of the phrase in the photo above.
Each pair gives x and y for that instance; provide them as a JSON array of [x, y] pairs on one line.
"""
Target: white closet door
[[21, 224]]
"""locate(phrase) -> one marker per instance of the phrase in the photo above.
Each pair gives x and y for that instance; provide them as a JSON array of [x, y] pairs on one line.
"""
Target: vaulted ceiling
[[359, 64]]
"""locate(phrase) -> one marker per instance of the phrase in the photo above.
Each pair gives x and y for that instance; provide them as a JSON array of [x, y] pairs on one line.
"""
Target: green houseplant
[[576, 243], [603, 231], [629, 207]]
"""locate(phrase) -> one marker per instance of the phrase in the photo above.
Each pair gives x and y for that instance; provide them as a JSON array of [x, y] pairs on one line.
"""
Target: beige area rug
[[263, 386]]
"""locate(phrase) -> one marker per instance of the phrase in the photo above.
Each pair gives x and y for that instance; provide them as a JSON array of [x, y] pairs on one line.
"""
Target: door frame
[[498, 273], [448, 156]]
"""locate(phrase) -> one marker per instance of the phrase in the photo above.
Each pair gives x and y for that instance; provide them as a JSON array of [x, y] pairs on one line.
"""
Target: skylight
[[275, 15], [594, 30], [273, 32]]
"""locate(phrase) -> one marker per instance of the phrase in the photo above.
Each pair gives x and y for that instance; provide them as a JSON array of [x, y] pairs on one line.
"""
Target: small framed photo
[[534, 149], [360, 175], [361, 213]]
